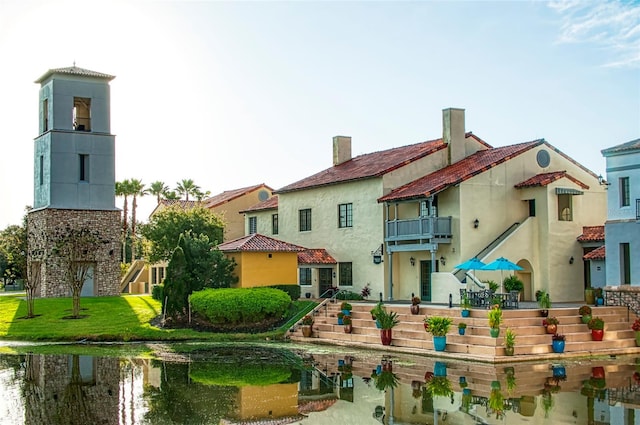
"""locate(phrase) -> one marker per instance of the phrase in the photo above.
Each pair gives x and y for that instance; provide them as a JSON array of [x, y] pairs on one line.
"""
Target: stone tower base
[[42, 224]]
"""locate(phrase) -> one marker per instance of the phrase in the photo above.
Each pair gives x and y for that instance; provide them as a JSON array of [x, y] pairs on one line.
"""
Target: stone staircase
[[532, 341]]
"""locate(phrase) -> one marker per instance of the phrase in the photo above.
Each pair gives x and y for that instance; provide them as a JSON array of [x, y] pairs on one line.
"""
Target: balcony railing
[[419, 228]]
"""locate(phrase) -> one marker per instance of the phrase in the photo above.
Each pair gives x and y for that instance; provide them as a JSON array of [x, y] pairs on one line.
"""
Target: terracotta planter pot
[[508, 351], [597, 334], [597, 372], [348, 329], [306, 330], [415, 308], [551, 329], [385, 336]]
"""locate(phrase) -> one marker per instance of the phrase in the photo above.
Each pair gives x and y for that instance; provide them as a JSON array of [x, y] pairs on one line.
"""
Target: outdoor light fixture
[[377, 255], [476, 223], [413, 261], [571, 260], [602, 181], [443, 261]]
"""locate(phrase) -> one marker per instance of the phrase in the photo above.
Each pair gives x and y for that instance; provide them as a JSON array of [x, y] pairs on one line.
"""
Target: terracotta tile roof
[[269, 204], [545, 179], [74, 70], [592, 234], [629, 146], [596, 254], [315, 256], [258, 243], [458, 172], [370, 165], [229, 195]]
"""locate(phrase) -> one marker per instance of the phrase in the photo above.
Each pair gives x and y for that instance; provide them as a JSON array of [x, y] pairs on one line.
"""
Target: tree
[[76, 248], [123, 189], [136, 189], [187, 187], [175, 285], [163, 231], [158, 188]]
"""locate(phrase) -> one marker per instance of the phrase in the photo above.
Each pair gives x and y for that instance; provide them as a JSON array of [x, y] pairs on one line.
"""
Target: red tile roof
[[545, 179], [185, 205], [592, 234], [460, 171], [230, 195], [596, 254], [315, 256], [258, 243], [371, 165], [269, 204]]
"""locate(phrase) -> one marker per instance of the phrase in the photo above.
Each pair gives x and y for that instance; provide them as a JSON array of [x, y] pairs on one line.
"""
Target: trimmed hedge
[[233, 306], [239, 374], [292, 290], [348, 295], [157, 292]]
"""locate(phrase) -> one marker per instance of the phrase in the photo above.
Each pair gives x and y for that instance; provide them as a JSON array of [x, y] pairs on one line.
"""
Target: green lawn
[[123, 318]]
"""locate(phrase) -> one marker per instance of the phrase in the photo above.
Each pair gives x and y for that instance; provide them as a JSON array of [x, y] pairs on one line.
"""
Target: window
[[625, 197], [429, 208], [82, 114], [45, 115], [345, 215], [305, 220], [305, 276], [345, 274], [253, 225], [638, 209], [565, 212], [84, 168], [625, 264], [274, 224], [41, 171]]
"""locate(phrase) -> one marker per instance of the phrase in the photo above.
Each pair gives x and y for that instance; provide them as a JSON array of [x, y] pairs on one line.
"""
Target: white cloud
[[611, 25]]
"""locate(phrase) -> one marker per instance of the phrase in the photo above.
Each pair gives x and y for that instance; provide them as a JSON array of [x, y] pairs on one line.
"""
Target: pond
[[280, 384]]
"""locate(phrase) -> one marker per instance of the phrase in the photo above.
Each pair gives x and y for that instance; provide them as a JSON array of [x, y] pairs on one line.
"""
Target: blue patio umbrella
[[502, 264], [472, 264]]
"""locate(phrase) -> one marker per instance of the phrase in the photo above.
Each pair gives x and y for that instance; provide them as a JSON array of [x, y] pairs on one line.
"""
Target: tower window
[[45, 115], [625, 197], [82, 114], [41, 170], [84, 168]]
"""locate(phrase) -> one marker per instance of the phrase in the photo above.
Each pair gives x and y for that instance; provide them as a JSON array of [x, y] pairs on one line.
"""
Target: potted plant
[[465, 304], [636, 327], [365, 292], [493, 286], [340, 316], [589, 295], [385, 379], [544, 302], [495, 318], [599, 295], [551, 324], [307, 325], [462, 327], [512, 283], [438, 326], [348, 327], [496, 402], [374, 312], [439, 386], [509, 342], [596, 324], [346, 308], [585, 312], [415, 304], [557, 343], [387, 321]]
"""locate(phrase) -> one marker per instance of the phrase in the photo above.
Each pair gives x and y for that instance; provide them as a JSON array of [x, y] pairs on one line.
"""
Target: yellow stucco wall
[[282, 401], [265, 268]]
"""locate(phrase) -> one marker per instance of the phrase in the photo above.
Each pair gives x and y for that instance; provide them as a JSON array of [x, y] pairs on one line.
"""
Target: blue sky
[[232, 94]]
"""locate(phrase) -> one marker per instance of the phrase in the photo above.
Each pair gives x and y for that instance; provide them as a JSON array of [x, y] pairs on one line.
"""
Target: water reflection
[[268, 385]]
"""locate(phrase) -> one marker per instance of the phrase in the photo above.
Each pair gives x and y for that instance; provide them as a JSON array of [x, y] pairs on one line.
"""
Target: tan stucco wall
[[265, 268], [229, 211]]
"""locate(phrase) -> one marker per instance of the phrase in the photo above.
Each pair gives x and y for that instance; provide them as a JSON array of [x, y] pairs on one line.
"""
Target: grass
[[123, 318]]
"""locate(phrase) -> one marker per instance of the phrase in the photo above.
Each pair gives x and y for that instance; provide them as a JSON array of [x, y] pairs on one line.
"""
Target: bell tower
[[74, 177]]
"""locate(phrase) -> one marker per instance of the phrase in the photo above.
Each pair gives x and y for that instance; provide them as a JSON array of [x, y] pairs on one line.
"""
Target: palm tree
[[137, 188], [187, 187], [200, 195], [123, 189], [158, 188]]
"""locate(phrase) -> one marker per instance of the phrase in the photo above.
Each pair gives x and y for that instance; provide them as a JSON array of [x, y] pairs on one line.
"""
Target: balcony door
[[425, 280]]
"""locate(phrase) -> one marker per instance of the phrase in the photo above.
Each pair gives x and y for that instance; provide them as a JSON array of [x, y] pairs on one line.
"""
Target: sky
[[237, 93]]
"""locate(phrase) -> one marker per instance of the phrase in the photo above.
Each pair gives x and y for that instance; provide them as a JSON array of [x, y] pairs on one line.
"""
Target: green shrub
[[240, 305], [348, 295], [239, 374], [157, 293], [292, 290]]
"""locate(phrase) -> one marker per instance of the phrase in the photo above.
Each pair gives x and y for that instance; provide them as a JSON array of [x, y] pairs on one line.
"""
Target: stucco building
[[401, 219]]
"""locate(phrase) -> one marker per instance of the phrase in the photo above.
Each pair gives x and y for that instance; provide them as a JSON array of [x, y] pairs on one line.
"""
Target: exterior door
[[88, 289], [325, 281], [425, 280]]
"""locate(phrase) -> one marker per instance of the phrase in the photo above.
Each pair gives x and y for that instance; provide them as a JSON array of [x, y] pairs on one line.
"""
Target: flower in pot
[[348, 327], [544, 302], [495, 318], [341, 318], [509, 342], [557, 343], [636, 327], [596, 324], [375, 310], [415, 305], [462, 327], [599, 295], [387, 321], [551, 324], [366, 291], [440, 386], [465, 304], [307, 323], [438, 326], [512, 283], [346, 308], [585, 312]]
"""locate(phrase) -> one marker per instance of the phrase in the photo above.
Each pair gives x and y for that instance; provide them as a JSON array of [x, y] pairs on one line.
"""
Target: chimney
[[453, 133], [341, 149]]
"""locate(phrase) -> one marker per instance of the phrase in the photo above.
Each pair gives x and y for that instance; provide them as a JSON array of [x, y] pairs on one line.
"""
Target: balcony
[[436, 229]]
